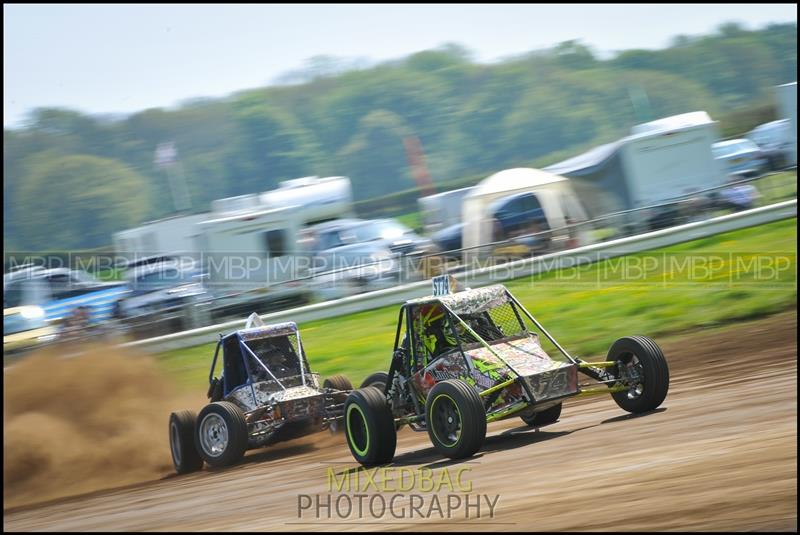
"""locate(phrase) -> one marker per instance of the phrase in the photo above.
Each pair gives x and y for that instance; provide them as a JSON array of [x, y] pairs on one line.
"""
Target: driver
[[277, 362], [434, 332]]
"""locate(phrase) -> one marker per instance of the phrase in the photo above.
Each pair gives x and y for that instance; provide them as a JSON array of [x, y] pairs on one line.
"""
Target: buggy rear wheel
[[545, 417], [221, 434], [377, 379], [371, 434], [455, 418], [642, 366], [181, 442], [337, 382]]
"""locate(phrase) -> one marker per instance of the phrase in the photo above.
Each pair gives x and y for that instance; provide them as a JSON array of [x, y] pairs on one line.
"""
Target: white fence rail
[[488, 275]]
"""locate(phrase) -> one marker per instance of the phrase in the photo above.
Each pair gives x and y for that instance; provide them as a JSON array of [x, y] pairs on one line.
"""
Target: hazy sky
[[125, 58]]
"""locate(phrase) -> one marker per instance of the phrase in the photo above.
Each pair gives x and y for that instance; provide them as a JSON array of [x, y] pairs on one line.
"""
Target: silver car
[[741, 156], [164, 292], [353, 255]]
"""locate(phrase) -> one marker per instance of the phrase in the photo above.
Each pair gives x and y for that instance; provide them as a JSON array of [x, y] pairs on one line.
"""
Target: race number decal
[[444, 284]]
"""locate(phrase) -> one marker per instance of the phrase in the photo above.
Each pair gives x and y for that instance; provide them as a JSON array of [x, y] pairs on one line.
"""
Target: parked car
[[360, 255], [161, 289], [448, 241], [741, 156], [775, 141], [26, 328], [520, 219], [60, 292]]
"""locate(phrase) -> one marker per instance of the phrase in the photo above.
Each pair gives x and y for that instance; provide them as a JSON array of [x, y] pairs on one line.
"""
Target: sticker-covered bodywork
[[544, 377], [480, 337], [275, 389]]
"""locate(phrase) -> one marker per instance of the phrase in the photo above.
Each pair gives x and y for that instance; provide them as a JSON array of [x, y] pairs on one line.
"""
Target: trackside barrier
[[488, 275]]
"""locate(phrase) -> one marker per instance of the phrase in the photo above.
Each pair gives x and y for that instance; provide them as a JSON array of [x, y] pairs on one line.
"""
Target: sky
[[119, 59]]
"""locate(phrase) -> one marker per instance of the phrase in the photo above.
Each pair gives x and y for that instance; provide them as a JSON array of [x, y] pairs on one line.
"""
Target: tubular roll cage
[[404, 356], [244, 347]]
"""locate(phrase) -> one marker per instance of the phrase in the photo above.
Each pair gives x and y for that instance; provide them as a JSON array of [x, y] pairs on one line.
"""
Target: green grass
[[586, 308], [412, 220], [777, 187]]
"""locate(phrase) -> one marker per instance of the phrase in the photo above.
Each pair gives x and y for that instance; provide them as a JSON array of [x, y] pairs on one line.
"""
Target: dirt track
[[719, 455]]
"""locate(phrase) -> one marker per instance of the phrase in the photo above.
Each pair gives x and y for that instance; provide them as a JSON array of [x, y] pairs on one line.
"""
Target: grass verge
[[720, 279]]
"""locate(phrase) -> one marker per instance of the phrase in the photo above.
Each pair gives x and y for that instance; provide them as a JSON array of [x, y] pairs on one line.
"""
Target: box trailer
[[787, 109], [441, 210], [659, 161]]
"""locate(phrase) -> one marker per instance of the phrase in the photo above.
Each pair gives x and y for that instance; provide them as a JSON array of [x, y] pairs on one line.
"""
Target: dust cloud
[[93, 421]]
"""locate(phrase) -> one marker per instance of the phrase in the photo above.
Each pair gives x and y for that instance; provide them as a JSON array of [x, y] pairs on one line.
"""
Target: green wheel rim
[[433, 417], [353, 407]]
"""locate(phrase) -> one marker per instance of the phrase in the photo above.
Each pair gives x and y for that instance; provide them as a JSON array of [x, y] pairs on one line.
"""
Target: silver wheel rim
[[213, 435], [634, 374], [175, 443]]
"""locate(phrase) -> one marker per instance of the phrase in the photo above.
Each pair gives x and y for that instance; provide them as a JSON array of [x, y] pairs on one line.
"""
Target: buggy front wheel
[[368, 420], [455, 418], [641, 367], [221, 434]]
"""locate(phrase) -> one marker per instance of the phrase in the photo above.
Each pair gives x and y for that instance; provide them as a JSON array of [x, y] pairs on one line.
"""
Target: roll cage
[[407, 358], [258, 354]]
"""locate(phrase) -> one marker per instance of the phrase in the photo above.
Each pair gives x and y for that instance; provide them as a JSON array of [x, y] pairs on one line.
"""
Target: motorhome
[[248, 245], [171, 235]]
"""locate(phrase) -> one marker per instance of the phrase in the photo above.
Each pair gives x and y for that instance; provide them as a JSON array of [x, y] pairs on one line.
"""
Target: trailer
[[442, 210], [659, 161], [787, 109]]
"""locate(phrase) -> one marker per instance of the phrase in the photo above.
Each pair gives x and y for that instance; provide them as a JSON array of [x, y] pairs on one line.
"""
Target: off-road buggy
[[475, 356], [266, 394]]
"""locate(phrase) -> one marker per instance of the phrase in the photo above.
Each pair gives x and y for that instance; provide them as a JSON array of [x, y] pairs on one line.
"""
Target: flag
[[166, 155]]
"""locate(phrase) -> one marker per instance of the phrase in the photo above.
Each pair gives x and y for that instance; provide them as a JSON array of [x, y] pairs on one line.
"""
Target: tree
[[78, 201], [271, 145], [375, 159]]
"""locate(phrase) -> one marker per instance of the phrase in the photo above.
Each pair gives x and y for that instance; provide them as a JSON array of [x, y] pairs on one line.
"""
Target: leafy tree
[[376, 155], [272, 146], [77, 201], [345, 116]]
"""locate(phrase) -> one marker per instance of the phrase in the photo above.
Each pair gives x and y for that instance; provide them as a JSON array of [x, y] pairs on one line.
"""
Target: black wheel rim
[[446, 420]]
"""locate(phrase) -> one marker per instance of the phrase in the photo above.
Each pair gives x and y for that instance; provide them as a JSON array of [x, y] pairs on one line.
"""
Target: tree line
[[71, 179]]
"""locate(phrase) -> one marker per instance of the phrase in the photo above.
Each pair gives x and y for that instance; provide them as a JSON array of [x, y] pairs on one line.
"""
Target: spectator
[[739, 196]]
